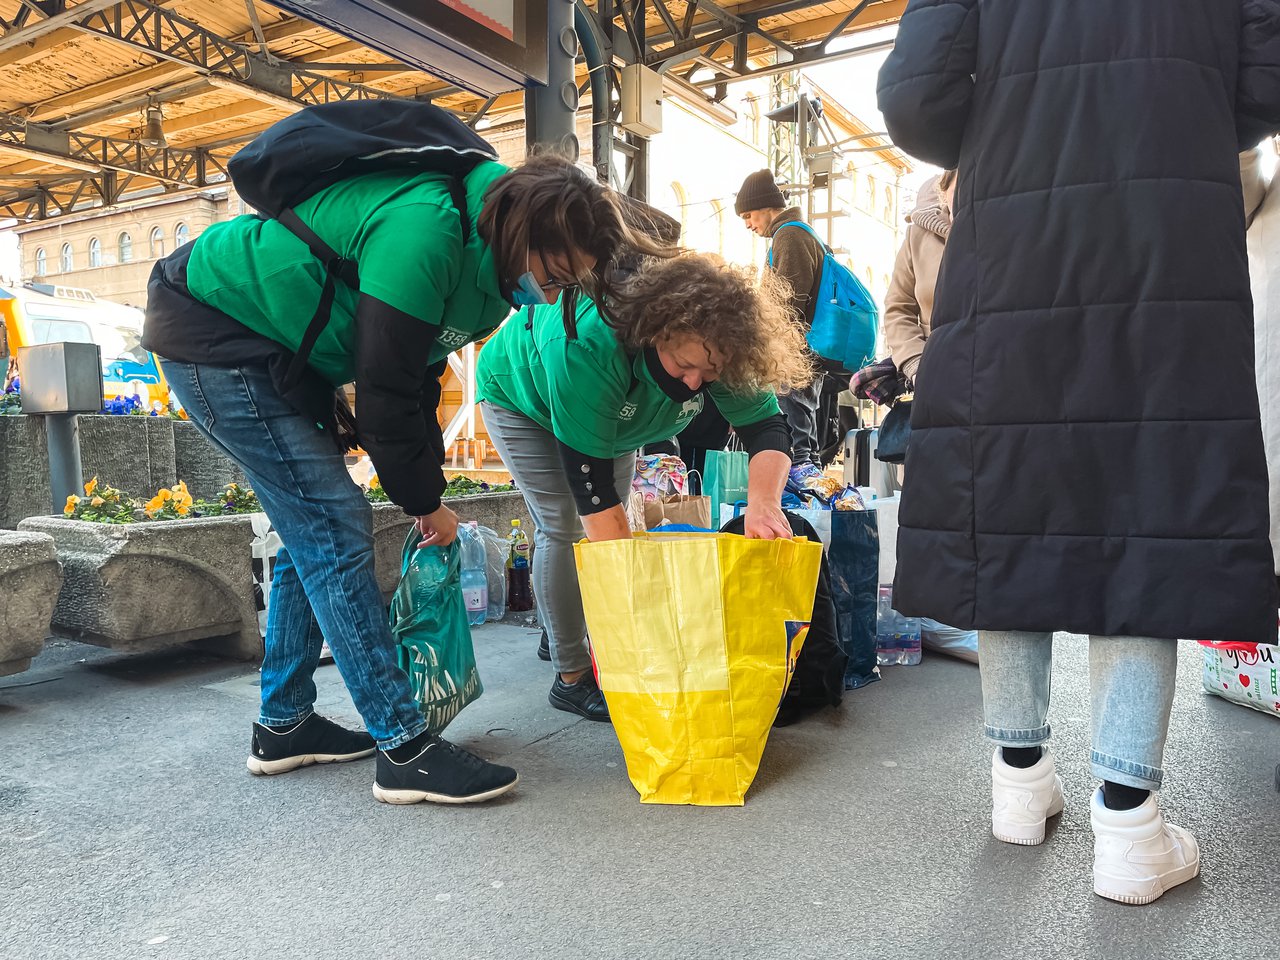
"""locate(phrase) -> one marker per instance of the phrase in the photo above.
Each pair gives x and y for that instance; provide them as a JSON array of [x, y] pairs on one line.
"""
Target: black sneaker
[[442, 773], [314, 740], [544, 647], [582, 697]]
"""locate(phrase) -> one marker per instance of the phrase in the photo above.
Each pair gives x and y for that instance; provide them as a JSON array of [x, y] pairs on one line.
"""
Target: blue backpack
[[845, 317]]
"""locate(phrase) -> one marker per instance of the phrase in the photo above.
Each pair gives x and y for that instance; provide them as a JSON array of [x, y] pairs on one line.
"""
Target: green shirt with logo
[[587, 391], [402, 229]]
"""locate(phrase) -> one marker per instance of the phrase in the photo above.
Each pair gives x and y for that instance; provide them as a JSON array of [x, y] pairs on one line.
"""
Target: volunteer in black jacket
[[568, 413], [225, 313]]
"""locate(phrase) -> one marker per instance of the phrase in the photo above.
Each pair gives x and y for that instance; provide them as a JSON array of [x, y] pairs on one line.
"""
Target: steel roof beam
[[153, 30], [15, 38], [87, 152]]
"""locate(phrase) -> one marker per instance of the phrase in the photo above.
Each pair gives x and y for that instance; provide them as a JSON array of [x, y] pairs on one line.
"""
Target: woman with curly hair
[[568, 412]]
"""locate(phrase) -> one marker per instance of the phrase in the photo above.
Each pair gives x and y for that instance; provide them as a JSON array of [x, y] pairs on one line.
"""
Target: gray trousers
[[800, 407], [533, 457]]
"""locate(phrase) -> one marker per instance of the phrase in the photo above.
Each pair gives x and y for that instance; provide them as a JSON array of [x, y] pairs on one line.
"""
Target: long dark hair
[[550, 204]]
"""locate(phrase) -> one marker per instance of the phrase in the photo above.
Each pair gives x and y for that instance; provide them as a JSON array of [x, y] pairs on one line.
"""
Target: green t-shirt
[[403, 231], [587, 391]]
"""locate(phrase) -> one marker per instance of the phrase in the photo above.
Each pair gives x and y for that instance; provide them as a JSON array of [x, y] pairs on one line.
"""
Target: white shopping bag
[[1247, 674]]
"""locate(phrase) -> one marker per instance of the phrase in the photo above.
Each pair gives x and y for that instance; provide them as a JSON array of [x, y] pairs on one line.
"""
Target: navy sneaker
[[441, 772], [313, 740]]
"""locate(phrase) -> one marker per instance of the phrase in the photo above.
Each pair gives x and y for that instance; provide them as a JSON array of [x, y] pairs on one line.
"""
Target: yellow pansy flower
[[91, 486], [70, 508], [97, 501]]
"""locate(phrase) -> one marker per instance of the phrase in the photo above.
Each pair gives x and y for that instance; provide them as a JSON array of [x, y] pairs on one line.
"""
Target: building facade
[[111, 252]]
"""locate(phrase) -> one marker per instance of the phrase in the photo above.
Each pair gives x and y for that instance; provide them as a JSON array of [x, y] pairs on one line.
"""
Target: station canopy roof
[[104, 100]]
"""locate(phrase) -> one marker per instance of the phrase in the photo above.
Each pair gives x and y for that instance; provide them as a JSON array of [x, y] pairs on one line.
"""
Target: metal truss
[[109, 167], [166, 35], [706, 36]]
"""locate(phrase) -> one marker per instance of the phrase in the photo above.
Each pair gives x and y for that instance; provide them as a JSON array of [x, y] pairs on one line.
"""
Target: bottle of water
[[886, 620], [475, 582], [897, 637], [909, 640]]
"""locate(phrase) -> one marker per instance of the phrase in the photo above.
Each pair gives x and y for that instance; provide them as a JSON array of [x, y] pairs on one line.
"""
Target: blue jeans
[[1131, 681], [323, 585]]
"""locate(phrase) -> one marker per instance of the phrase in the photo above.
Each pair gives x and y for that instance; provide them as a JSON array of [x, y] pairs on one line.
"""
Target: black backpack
[[322, 145]]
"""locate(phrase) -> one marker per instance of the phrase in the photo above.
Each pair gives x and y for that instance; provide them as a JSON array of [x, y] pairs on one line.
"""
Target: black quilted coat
[[1086, 453]]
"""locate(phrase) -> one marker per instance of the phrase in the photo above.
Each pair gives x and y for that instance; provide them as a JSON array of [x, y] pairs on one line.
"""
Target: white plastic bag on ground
[[954, 642], [495, 556]]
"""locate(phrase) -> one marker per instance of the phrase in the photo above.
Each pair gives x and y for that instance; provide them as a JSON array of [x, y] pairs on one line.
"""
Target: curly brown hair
[[749, 323]]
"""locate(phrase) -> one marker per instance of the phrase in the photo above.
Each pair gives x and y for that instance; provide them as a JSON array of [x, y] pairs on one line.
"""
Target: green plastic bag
[[429, 622], [724, 480]]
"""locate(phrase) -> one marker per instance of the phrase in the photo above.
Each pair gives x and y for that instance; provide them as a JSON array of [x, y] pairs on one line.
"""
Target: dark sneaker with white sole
[[313, 740], [441, 773], [544, 647], [582, 697]]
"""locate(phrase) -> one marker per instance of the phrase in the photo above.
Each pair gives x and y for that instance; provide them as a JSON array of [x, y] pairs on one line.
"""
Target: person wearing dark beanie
[[795, 256], [759, 192]]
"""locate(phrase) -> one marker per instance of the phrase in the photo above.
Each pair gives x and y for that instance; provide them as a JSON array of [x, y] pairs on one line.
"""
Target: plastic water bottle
[[519, 588], [909, 646], [475, 582], [897, 637]]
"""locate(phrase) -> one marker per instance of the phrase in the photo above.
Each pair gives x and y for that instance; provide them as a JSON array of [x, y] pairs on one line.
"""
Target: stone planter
[[494, 510], [204, 468], [144, 586], [391, 526], [132, 454], [24, 469], [29, 580], [137, 455]]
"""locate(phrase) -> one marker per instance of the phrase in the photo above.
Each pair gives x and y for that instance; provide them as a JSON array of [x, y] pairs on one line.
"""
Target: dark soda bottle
[[519, 588]]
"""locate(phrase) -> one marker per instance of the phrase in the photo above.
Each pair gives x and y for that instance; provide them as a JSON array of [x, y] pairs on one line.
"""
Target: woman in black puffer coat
[[1086, 454]]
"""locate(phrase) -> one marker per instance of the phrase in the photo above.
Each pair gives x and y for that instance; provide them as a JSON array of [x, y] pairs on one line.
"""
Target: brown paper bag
[[677, 508]]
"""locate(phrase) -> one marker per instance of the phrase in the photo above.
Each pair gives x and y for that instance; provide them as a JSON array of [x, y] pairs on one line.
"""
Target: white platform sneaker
[[1136, 855], [1023, 799]]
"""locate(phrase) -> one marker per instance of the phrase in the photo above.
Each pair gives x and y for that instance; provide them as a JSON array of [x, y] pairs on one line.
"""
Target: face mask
[[527, 293], [673, 387]]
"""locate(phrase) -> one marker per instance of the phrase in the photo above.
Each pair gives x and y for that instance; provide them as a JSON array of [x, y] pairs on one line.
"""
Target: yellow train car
[[45, 313]]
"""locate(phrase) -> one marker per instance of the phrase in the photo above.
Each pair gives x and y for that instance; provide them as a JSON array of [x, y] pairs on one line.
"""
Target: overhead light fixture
[[794, 111], [153, 129]]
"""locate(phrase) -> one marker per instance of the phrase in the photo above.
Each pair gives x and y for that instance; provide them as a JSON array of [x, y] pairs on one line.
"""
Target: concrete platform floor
[[130, 828]]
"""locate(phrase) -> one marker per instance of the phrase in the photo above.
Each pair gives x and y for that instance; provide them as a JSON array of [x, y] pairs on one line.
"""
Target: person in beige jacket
[[1258, 177], [908, 306]]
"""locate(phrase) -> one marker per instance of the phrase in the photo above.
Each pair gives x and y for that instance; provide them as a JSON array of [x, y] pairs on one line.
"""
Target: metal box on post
[[60, 381], [641, 100], [61, 378]]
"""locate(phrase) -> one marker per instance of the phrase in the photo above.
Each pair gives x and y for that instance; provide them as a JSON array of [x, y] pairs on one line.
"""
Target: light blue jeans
[[1131, 682], [533, 457], [323, 586]]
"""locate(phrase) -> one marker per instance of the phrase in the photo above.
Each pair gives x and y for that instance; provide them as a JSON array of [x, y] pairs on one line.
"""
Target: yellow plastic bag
[[690, 642]]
